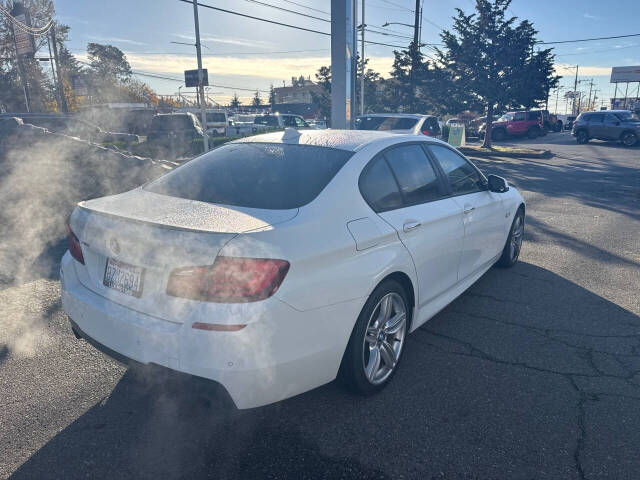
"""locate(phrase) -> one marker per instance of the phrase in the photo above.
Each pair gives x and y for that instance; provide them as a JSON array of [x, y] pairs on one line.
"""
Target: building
[[299, 92]]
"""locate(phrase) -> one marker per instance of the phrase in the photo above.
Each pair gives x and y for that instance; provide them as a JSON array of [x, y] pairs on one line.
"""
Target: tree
[[109, 72], [272, 97], [322, 98], [256, 101], [490, 61], [235, 101], [374, 87], [411, 79]]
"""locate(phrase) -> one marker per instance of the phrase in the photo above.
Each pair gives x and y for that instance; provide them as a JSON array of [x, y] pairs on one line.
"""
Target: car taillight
[[229, 280], [428, 132], [74, 246]]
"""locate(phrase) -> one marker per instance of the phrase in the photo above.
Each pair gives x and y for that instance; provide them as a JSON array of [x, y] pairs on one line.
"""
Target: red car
[[518, 124]]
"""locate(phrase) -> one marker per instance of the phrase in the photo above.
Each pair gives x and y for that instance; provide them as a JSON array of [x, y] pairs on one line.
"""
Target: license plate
[[123, 277]]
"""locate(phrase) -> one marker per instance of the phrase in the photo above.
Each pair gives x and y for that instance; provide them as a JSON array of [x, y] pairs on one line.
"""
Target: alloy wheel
[[384, 338], [629, 139], [517, 234]]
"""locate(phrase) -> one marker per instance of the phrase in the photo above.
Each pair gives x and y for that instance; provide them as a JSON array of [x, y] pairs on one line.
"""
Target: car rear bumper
[[280, 353]]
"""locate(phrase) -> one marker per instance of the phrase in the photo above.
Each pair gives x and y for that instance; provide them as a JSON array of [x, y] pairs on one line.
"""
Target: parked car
[[566, 121], [180, 133], [400, 123], [279, 120], [274, 262], [318, 124], [217, 122], [619, 125], [521, 123], [74, 127]]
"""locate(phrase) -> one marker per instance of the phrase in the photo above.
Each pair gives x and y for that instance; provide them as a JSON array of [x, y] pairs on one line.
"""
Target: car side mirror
[[497, 184]]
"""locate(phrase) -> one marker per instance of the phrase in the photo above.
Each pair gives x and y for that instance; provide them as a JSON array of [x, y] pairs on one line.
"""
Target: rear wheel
[[629, 139], [582, 136], [377, 340], [498, 135], [533, 133], [511, 250]]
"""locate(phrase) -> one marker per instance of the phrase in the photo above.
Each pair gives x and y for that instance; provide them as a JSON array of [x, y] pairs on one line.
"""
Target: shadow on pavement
[[600, 184], [501, 384]]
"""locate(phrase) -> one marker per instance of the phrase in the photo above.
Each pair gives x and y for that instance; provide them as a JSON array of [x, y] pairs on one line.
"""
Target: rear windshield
[[216, 117], [385, 123], [171, 122], [256, 175]]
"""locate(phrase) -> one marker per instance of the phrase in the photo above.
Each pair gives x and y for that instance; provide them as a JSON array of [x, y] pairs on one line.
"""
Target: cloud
[[116, 40], [212, 38], [567, 70], [591, 17], [274, 69]]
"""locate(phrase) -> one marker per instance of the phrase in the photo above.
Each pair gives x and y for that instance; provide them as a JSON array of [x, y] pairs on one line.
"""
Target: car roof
[[396, 115], [350, 140]]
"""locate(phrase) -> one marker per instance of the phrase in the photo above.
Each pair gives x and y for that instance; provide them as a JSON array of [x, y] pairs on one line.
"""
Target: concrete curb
[[522, 153]]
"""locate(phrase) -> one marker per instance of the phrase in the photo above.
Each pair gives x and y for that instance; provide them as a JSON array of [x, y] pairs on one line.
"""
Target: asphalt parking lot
[[533, 373]]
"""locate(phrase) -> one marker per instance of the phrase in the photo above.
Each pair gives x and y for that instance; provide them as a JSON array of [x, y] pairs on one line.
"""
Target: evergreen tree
[[489, 61], [235, 101], [272, 97], [323, 97], [256, 101]]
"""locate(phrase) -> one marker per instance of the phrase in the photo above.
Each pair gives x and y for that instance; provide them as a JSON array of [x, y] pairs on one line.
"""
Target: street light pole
[[362, 61], [203, 108]]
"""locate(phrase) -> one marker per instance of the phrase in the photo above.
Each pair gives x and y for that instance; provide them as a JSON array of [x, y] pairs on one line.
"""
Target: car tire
[[377, 340], [629, 139], [498, 135], [558, 127], [511, 250], [582, 137], [533, 133]]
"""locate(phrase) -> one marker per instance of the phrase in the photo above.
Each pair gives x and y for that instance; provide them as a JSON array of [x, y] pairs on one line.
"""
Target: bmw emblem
[[114, 246]]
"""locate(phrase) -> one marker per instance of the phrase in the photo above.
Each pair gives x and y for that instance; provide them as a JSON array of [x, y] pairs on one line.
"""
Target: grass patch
[[513, 152]]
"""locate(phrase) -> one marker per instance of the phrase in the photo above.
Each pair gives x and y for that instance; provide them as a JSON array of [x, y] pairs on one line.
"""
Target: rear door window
[[596, 118], [256, 175], [519, 117], [378, 186]]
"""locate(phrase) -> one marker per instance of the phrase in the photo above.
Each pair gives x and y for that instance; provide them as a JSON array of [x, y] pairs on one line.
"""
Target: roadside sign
[[456, 135], [625, 74], [24, 42], [191, 78]]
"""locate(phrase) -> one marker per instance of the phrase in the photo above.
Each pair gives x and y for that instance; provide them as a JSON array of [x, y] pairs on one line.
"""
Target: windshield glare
[[507, 117]]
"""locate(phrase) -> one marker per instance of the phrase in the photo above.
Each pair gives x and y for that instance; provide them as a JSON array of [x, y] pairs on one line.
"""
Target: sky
[[243, 55]]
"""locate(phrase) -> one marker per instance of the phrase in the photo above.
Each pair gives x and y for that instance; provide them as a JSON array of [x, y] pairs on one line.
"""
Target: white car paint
[[339, 250]]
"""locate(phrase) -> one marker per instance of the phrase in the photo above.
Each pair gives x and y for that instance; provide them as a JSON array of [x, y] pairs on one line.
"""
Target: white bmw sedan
[[276, 263]]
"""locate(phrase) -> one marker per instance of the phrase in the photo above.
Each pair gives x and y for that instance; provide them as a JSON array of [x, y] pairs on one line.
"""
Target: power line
[[35, 31], [306, 6], [590, 39], [288, 10], [589, 52], [256, 18], [397, 5]]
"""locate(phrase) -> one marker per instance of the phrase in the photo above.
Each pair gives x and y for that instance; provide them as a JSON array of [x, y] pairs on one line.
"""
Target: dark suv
[[179, 133], [621, 125]]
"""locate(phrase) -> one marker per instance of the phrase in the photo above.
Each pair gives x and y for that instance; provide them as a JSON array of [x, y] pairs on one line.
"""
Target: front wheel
[[377, 340], [629, 139], [511, 250]]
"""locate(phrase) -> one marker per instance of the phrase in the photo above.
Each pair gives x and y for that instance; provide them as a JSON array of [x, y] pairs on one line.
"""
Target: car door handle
[[412, 225], [468, 209]]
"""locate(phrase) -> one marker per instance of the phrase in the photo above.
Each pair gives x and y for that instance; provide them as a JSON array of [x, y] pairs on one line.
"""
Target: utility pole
[[590, 89], [625, 96], [416, 28], [557, 95], [362, 60], [63, 99], [575, 87], [203, 107], [416, 43]]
